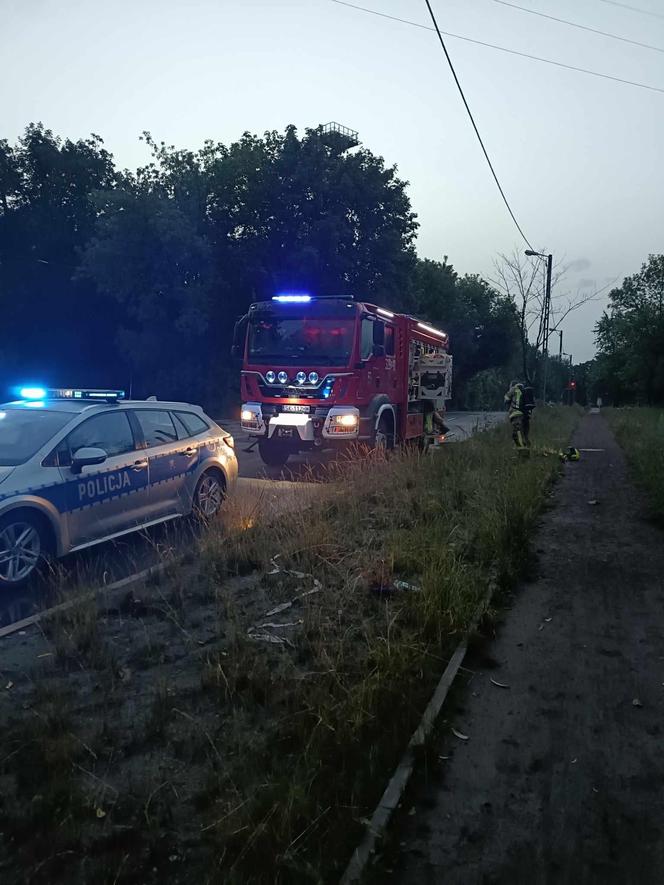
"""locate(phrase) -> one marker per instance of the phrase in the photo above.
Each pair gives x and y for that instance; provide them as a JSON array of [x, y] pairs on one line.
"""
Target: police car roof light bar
[[89, 394], [32, 393]]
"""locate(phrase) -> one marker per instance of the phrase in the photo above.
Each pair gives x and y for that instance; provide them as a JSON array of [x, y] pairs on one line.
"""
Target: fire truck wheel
[[384, 435], [273, 454]]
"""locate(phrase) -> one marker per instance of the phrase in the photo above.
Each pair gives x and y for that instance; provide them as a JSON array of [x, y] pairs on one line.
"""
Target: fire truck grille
[[277, 391]]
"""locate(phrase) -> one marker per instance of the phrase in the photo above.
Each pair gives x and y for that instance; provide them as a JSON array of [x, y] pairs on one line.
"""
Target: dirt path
[[562, 778]]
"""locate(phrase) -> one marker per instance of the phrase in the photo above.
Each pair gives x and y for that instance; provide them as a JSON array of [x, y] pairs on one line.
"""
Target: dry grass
[[250, 737]]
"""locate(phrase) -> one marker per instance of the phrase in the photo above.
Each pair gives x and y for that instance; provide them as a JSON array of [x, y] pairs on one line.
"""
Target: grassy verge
[[236, 722], [640, 432]]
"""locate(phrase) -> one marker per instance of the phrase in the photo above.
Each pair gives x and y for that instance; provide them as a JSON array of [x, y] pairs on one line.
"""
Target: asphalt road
[[560, 780], [260, 490]]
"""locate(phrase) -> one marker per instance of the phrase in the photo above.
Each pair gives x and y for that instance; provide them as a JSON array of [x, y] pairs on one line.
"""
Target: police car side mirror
[[87, 457]]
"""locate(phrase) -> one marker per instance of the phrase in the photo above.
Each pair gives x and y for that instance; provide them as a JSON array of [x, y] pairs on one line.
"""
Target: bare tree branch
[[524, 282]]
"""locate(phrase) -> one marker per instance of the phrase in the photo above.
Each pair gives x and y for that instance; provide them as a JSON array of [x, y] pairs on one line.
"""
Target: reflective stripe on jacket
[[513, 398]]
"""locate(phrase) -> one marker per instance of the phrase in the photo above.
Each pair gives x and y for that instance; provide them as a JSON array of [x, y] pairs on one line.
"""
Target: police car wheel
[[209, 495], [22, 549]]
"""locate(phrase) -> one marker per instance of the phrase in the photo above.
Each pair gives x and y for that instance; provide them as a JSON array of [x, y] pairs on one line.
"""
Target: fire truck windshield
[[322, 340]]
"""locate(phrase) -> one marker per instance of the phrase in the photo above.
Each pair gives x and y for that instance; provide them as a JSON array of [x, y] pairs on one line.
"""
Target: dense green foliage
[[54, 324], [121, 278], [630, 340]]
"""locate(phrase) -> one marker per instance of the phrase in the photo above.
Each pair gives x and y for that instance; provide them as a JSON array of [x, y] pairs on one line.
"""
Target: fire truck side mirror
[[239, 334]]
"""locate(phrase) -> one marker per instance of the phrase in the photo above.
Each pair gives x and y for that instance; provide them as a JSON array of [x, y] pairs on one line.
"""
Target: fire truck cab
[[320, 372]]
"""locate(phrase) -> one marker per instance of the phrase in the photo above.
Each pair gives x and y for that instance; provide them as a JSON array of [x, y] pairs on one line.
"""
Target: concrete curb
[[63, 606], [399, 780]]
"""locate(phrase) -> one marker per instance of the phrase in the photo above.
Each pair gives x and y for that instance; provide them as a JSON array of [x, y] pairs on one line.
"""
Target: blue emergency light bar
[[32, 393], [77, 393], [41, 393], [292, 298]]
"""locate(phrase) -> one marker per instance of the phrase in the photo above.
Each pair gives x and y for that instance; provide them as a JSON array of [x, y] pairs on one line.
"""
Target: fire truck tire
[[273, 454], [384, 434]]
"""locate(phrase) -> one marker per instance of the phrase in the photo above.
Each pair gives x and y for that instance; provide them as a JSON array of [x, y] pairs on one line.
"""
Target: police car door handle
[[140, 465]]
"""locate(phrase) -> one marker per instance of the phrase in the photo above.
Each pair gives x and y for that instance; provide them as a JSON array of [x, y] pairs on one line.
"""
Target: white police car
[[78, 467]]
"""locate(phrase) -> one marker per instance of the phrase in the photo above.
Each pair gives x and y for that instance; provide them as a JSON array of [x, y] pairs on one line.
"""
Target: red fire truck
[[320, 372]]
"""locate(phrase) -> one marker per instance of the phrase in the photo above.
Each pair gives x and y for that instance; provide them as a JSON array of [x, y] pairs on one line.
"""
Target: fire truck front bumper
[[339, 423]]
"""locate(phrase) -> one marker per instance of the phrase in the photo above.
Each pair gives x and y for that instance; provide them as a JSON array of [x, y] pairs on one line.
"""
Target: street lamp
[[547, 314], [560, 348]]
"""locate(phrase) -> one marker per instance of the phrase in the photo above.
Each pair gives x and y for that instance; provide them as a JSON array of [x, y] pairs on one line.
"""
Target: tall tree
[[53, 328], [630, 338], [136, 279], [189, 241]]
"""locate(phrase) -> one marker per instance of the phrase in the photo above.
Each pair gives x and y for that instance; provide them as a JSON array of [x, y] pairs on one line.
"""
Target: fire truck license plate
[[286, 432], [292, 408]]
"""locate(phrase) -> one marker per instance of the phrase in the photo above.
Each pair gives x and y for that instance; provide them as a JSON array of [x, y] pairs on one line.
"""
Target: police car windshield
[[320, 340], [24, 431]]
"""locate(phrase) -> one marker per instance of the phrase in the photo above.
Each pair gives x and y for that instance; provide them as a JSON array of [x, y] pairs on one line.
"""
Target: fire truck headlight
[[270, 377], [247, 415], [300, 377], [313, 377], [347, 420], [283, 377]]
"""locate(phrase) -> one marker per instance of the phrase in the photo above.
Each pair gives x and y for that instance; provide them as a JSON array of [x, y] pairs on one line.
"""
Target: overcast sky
[[579, 157]]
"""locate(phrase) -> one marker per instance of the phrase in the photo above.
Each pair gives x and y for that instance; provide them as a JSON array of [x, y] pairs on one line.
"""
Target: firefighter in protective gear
[[434, 423], [518, 415]]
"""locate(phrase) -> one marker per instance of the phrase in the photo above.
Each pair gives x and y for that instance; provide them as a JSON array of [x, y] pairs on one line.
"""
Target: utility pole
[[560, 356], [546, 316]]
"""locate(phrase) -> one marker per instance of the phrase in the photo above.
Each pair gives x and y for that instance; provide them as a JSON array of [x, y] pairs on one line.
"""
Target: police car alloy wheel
[[209, 495], [21, 550]]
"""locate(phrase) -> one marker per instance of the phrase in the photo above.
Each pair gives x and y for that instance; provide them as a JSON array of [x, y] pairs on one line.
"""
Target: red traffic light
[[572, 385]]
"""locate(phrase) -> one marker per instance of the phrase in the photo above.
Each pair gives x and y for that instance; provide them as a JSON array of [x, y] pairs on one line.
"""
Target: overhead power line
[[633, 8], [547, 61], [472, 120], [563, 21]]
